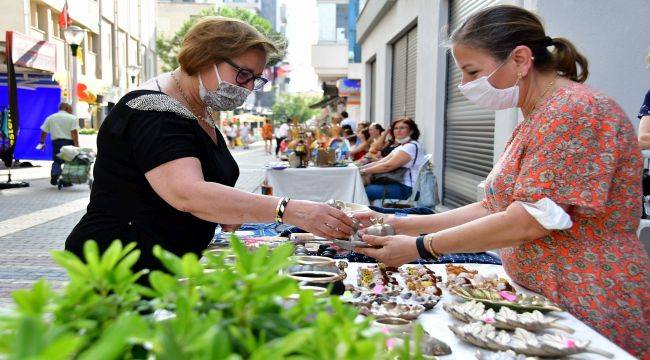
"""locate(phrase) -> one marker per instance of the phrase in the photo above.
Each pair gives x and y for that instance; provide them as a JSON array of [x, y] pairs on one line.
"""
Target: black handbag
[[393, 177]]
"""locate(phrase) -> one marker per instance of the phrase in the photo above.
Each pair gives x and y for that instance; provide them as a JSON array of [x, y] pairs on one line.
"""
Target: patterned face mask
[[225, 97]]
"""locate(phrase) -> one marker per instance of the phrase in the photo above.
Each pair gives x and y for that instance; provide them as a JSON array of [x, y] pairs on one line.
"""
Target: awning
[[325, 102]]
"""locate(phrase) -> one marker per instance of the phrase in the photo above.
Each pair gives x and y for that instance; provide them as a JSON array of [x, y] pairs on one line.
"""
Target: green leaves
[[290, 105], [219, 308], [168, 47]]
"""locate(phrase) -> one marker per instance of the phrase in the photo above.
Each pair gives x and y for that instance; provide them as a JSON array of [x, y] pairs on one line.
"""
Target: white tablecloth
[[436, 320], [319, 184]]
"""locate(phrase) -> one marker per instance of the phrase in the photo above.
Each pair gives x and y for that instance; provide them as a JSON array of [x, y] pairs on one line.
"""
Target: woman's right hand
[[320, 219], [365, 218]]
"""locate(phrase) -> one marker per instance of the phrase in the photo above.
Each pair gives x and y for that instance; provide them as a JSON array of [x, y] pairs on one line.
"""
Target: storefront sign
[[30, 52]]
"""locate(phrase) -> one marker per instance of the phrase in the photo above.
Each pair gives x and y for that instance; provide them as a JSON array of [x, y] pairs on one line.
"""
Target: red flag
[[64, 17]]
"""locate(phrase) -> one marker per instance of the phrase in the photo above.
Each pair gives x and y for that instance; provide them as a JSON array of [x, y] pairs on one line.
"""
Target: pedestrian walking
[[63, 128], [267, 136], [245, 134]]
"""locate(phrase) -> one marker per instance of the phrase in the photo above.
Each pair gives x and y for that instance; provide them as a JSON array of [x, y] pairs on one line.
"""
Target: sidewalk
[[37, 219]]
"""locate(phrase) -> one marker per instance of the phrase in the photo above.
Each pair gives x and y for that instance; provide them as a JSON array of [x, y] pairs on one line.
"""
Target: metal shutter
[[469, 129], [398, 88], [411, 72], [405, 54]]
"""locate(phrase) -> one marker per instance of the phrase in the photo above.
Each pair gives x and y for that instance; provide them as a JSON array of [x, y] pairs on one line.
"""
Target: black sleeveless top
[[144, 130]]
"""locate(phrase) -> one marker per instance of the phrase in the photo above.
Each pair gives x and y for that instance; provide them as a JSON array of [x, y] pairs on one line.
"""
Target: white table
[[436, 320], [319, 184]]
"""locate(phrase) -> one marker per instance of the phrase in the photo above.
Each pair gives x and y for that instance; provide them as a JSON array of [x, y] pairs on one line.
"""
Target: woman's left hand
[[393, 250]]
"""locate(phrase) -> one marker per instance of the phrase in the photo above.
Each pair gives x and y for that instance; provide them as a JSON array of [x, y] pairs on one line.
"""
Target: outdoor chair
[[410, 202]]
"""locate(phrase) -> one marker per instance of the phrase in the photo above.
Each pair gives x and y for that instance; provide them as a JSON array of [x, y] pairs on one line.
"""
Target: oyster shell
[[523, 341], [505, 318]]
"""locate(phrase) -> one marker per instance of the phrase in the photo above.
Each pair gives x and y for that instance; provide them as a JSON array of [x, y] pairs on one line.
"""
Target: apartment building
[[118, 52]]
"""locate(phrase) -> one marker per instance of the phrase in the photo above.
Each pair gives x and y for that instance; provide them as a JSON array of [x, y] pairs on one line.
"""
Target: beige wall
[[171, 16]]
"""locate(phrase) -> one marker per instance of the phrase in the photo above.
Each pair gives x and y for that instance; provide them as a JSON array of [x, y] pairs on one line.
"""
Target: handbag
[[395, 176]]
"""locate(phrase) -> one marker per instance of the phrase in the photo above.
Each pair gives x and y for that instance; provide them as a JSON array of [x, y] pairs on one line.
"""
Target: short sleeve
[[572, 159], [74, 124], [645, 108], [158, 137], [46, 125], [408, 149]]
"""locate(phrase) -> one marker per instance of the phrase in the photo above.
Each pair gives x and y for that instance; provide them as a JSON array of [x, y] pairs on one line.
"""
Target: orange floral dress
[[579, 149]]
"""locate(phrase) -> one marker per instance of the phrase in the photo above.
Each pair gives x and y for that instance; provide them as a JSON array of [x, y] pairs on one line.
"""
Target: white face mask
[[403, 140], [483, 94]]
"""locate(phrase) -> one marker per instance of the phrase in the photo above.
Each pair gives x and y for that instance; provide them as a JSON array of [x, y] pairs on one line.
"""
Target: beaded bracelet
[[279, 210]]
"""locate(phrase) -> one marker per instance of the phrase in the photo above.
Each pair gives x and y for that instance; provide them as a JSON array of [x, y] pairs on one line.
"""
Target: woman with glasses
[[406, 159], [164, 174]]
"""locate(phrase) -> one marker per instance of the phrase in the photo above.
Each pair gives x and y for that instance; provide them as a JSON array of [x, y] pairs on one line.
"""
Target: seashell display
[[523, 341], [502, 355], [378, 228], [496, 299], [393, 309], [505, 318]]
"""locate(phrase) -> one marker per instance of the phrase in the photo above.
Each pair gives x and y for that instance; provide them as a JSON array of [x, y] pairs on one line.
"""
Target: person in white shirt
[[408, 155], [63, 128], [245, 134], [347, 121], [280, 134]]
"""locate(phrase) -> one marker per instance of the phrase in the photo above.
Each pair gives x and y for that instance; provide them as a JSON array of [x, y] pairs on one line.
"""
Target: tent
[[38, 97]]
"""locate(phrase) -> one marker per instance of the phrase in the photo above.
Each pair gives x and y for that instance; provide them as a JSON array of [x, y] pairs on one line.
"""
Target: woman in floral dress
[[576, 148]]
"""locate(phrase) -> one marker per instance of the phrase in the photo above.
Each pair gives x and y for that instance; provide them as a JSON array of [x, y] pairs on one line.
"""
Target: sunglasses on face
[[244, 76]]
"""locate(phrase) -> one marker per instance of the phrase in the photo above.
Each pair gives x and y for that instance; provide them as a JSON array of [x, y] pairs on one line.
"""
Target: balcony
[[330, 60]]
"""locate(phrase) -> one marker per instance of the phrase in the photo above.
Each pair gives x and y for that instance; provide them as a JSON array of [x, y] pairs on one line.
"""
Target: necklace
[[548, 87], [202, 118]]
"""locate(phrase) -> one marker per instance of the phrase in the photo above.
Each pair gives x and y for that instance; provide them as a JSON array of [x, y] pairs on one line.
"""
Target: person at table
[[165, 176], [361, 147], [575, 147], [407, 155], [281, 134], [644, 123]]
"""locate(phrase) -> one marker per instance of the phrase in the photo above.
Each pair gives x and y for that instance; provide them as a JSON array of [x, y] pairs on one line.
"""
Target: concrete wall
[[330, 60], [614, 35], [429, 17]]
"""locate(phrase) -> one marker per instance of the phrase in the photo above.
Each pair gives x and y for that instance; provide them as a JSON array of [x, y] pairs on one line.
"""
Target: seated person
[[408, 154], [362, 146]]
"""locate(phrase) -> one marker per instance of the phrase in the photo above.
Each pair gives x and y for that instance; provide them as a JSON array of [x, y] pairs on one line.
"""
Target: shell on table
[[522, 341], [505, 318]]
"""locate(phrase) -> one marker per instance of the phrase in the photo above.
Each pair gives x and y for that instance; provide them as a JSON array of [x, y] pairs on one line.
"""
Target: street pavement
[[37, 219]]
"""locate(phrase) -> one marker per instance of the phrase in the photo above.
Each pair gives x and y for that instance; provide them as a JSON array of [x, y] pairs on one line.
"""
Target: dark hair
[[377, 126], [344, 114], [347, 131], [346, 127], [366, 133], [288, 120], [415, 135], [65, 106], [499, 29]]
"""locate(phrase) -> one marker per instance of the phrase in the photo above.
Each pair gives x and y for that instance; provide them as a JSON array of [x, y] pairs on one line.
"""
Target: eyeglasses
[[244, 76]]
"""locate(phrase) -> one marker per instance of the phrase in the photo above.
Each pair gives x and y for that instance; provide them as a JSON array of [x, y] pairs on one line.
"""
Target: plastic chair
[[416, 189]]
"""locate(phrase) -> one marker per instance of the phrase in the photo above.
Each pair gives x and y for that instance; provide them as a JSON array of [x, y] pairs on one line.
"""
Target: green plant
[[87, 131], [168, 47], [235, 311], [295, 106]]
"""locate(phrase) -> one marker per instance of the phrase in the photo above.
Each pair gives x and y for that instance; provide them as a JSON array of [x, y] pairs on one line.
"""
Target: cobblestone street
[[37, 219]]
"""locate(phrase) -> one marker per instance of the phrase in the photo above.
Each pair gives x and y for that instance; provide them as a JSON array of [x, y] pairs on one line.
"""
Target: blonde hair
[[215, 38]]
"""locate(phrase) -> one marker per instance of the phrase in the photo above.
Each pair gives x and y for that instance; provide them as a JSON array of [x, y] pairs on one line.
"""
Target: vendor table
[[436, 320], [319, 184]]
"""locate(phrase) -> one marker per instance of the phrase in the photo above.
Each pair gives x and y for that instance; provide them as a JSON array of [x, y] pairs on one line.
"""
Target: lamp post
[[74, 35], [133, 71]]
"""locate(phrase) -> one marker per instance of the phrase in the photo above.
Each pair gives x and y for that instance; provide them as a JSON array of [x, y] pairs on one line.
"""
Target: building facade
[[408, 71], [336, 55], [119, 49]]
